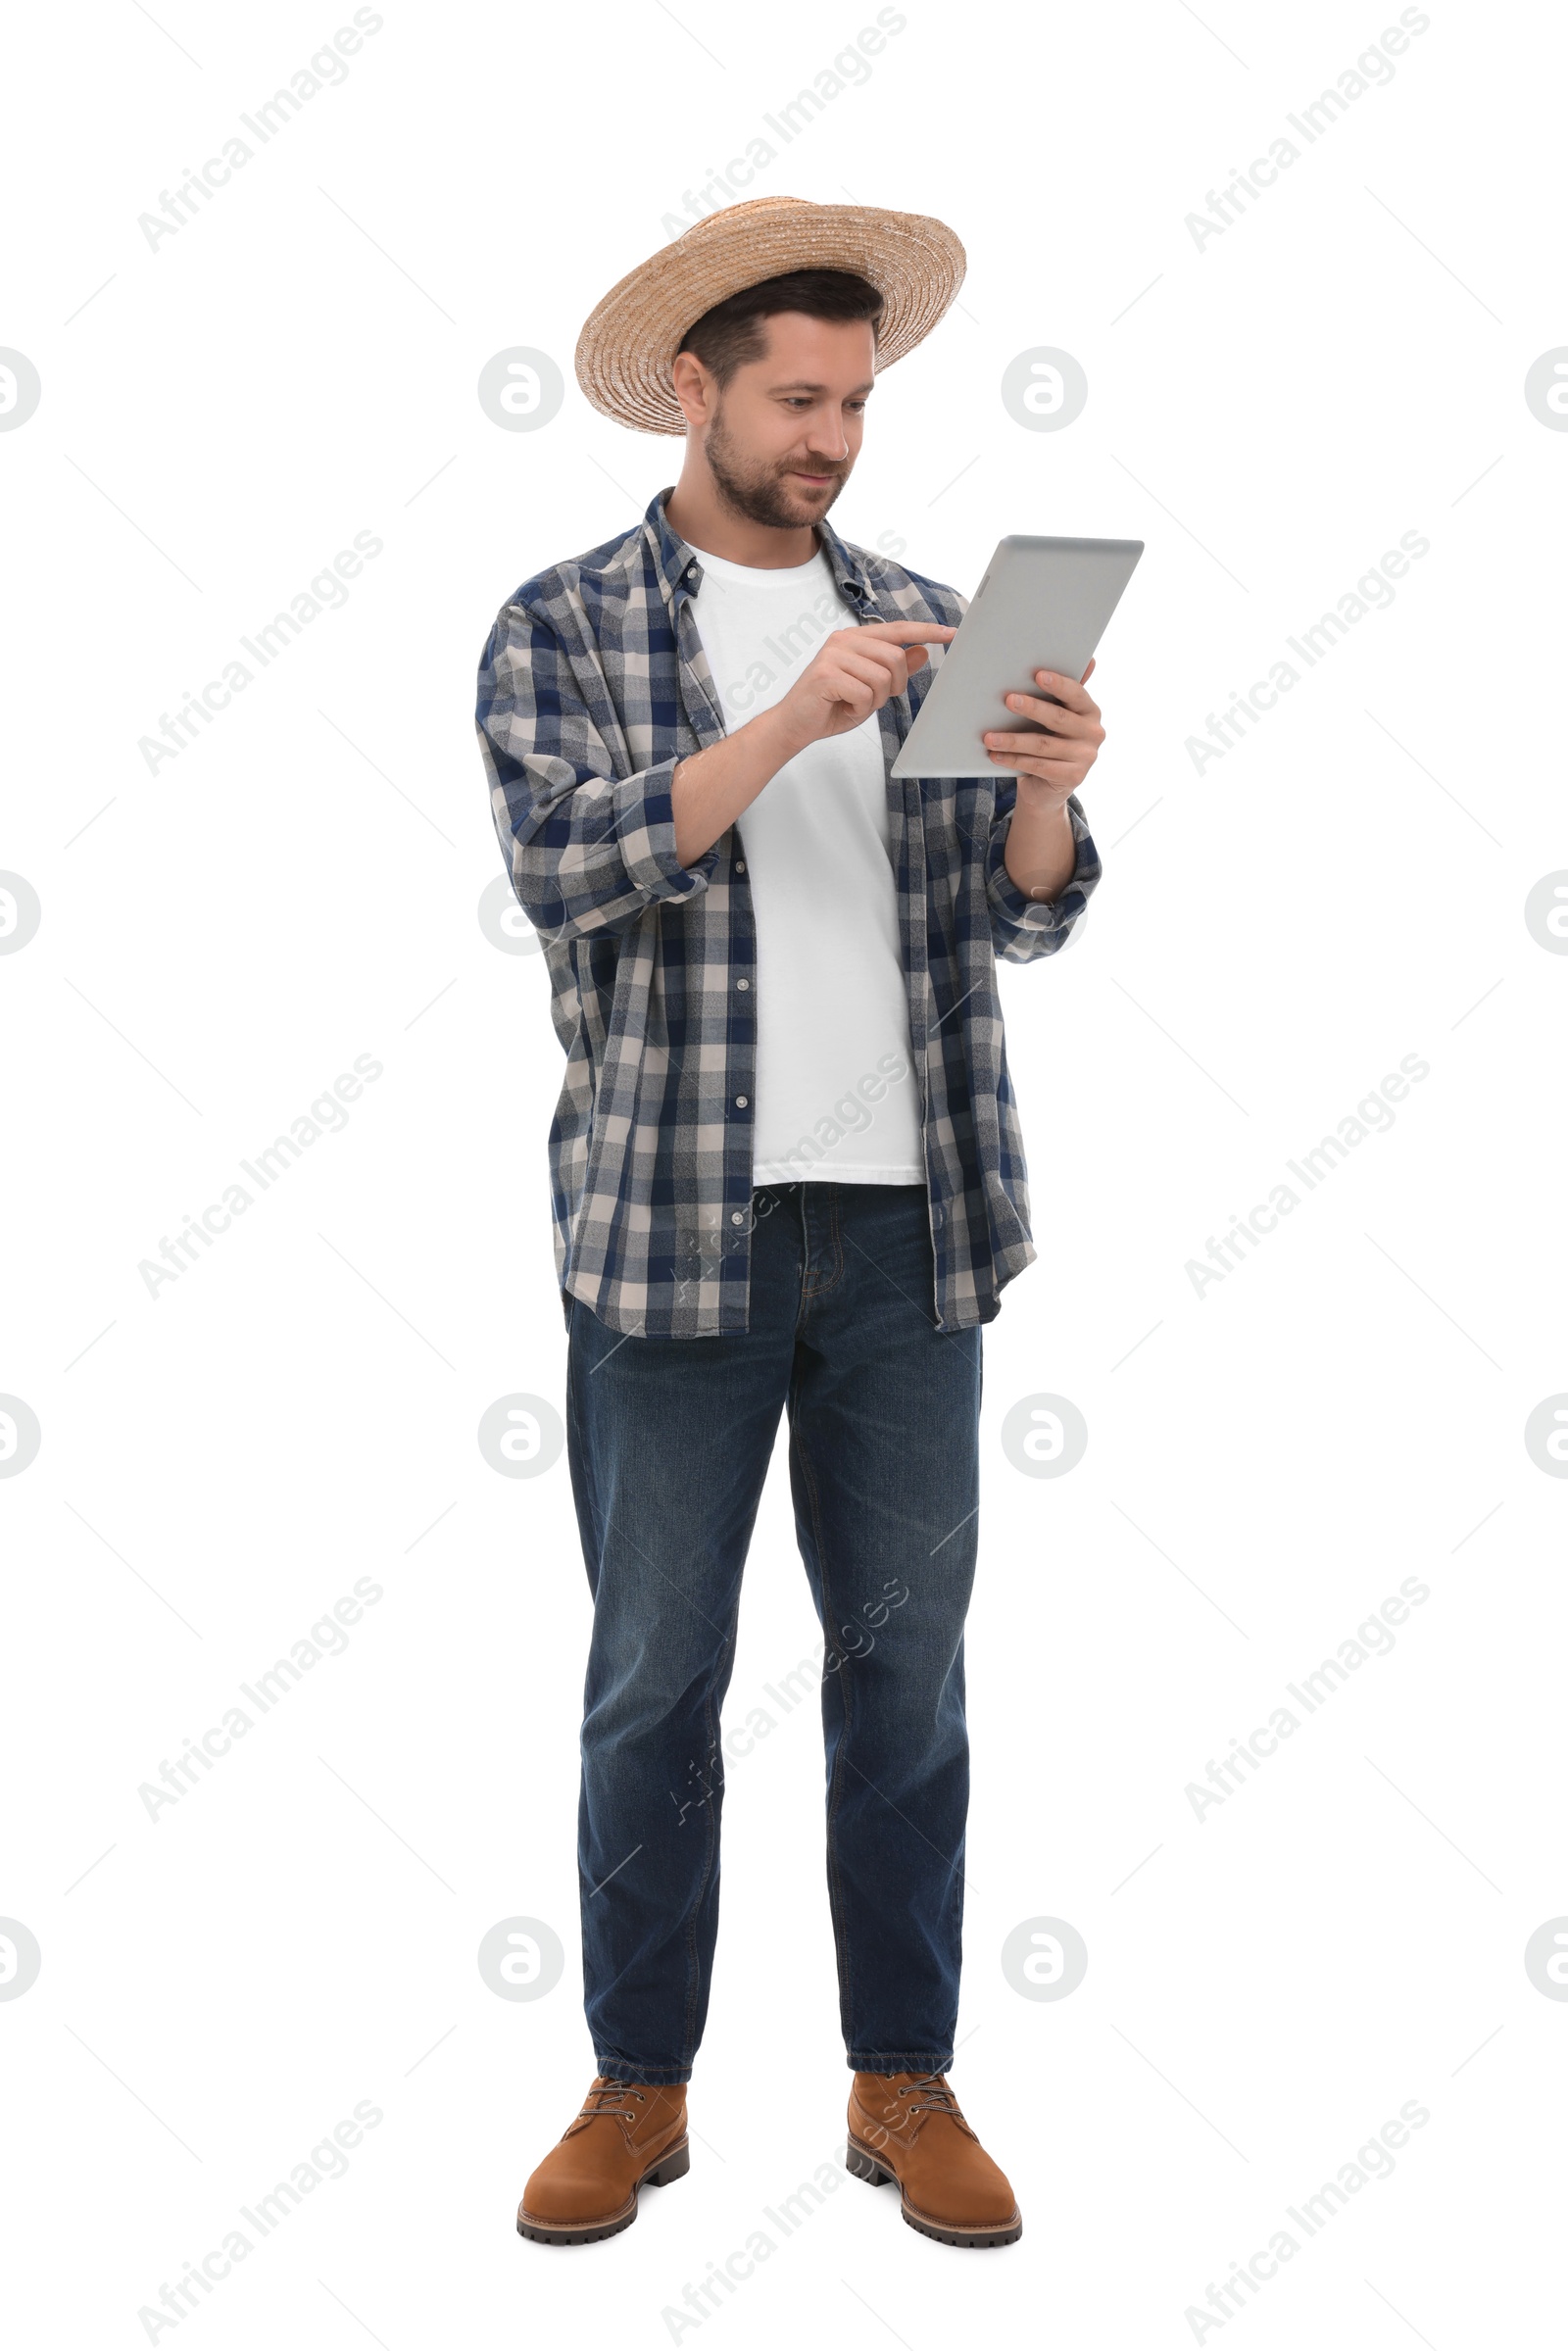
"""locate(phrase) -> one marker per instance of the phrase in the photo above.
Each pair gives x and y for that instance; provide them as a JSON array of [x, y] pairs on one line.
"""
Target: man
[[787, 1170]]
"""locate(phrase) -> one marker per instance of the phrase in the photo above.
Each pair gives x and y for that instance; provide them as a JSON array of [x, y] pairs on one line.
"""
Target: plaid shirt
[[593, 685]]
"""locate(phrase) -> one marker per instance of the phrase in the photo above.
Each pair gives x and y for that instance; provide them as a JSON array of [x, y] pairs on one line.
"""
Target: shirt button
[[737, 1216], [740, 1101], [740, 865], [743, 983]]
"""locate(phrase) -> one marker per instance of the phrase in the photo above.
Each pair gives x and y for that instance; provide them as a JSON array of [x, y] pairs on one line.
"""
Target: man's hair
[[726, 337]]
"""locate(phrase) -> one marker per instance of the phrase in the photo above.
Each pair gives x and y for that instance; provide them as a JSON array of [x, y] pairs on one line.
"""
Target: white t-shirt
[[837, 1096]]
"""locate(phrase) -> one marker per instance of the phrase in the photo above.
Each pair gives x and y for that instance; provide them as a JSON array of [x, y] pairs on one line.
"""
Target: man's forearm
[[710, 789], [1041, 852]]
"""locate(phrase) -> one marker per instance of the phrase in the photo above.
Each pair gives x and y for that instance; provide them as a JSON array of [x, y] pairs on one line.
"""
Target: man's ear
[[695, 389]]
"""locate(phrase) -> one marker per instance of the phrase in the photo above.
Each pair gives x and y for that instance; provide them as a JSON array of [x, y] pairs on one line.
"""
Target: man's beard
[[761, 492]]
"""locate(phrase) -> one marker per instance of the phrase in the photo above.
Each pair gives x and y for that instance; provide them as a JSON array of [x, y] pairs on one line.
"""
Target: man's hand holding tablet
[[1024, 653], [1041, 852]]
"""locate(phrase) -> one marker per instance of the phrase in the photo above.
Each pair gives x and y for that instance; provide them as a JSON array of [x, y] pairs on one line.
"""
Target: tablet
[[1043, 604]]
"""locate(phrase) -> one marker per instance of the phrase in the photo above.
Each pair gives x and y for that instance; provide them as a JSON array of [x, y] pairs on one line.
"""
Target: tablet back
[[1042, 605]]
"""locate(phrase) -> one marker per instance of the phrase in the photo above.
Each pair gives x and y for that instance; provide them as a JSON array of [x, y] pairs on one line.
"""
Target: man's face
[[786, 430]]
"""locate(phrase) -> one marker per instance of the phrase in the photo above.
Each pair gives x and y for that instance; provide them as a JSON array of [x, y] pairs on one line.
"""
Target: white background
[[1266, 1986]]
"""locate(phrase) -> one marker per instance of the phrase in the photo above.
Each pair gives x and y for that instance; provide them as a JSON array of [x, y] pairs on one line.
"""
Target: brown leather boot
[[907, 2127], [629, 2134]]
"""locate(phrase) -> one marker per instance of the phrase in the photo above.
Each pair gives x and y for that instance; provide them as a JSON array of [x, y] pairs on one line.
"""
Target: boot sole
[[671, 2166], [862, 2164]]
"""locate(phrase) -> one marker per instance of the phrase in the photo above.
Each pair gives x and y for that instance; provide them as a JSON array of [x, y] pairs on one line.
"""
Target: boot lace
[[934, 2097], [604, 2098]]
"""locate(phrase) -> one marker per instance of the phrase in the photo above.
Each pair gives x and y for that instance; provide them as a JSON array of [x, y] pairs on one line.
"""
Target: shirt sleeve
[[587, 851], [1024, 928]]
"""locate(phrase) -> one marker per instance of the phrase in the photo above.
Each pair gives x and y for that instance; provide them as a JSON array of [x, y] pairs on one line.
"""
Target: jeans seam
[[613, 2065], [694, 1959], [899, 2061], [575, 1426], [836, 1902], [809, 1288]]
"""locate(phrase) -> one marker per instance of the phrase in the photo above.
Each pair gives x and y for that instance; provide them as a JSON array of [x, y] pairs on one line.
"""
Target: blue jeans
[[668, 1441]]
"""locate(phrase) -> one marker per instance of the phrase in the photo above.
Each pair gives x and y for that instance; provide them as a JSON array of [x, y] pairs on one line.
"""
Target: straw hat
[[628, 344]]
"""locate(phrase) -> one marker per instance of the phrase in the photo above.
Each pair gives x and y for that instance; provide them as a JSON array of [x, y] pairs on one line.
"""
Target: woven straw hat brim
[[628, 344]]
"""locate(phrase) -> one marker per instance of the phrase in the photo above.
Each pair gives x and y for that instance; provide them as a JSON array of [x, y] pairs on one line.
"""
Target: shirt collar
[[680, 566]]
